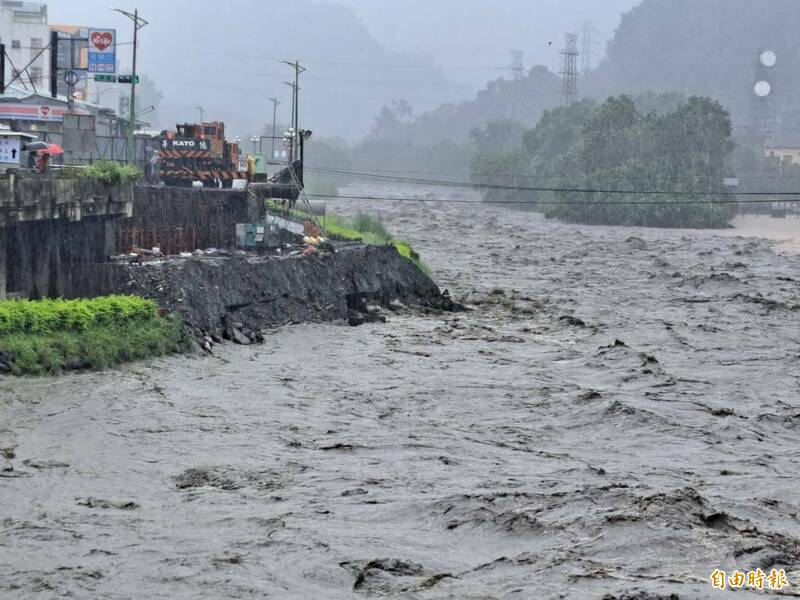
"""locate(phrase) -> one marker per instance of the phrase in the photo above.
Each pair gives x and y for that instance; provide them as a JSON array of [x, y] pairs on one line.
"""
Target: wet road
[[617, 417]]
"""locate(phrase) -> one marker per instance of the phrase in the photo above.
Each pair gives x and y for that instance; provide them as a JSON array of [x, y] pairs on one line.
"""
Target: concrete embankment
[[218, 294]]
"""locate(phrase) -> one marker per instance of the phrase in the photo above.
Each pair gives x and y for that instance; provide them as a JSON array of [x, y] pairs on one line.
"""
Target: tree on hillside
[[390, 122]]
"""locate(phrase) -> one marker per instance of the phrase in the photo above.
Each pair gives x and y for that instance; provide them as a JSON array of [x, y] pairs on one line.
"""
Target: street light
[[202, 112], [254, 139], [138, 23], [275, 104]]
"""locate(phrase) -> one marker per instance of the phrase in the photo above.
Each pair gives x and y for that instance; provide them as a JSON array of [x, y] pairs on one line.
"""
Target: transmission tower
[[763, 98], [518, 64], [569, 70], [588, 45], [518, 74]]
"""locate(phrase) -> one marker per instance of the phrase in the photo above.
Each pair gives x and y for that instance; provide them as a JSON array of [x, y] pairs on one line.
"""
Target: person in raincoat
[[251, 167]]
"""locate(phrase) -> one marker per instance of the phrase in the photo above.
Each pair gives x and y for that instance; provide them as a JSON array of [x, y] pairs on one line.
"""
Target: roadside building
[[785, 155], [25, 33], [87, 133]]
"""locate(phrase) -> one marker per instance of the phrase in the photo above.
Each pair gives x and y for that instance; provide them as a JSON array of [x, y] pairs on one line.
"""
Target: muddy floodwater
[[616, 417]]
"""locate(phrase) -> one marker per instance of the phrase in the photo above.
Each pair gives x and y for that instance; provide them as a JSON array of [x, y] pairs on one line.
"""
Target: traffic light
[[127, 79]]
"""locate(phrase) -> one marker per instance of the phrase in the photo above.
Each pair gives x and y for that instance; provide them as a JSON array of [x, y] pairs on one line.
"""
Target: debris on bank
[[236, 296]]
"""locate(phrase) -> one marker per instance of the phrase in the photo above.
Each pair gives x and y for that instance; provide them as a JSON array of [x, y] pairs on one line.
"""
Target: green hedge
[[48, 336], [47, 316]]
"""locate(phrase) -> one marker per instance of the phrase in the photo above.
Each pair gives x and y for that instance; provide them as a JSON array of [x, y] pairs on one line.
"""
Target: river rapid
[[616, 416]]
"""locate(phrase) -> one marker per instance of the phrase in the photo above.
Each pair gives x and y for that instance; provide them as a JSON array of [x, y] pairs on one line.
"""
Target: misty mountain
[[708, 48], [521, 101], [226, 58], [472, 39]]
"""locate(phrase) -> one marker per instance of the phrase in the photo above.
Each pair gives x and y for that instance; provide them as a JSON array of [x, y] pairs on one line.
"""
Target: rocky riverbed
[[616, 417]]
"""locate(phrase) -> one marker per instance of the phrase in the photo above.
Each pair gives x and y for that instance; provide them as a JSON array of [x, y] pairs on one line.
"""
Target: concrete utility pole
[[138, 23], [298, 69], [293, 139], [275, 104]]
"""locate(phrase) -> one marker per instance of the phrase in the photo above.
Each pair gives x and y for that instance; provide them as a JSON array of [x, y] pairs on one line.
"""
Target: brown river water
[[616, 417]]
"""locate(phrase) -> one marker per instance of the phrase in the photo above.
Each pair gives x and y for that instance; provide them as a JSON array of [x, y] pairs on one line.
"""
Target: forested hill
[[709, 48]]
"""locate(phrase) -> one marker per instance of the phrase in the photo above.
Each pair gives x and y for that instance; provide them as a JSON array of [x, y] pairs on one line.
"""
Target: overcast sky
[[360, 53], [482, 32]]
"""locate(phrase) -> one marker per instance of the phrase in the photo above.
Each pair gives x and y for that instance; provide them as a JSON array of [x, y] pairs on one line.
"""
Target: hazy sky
[[360, 53], [468, 33]]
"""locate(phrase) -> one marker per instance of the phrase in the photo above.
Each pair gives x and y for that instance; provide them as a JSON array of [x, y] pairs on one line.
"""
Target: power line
[[378, 172], [308, 60], [576, 190], [531, 203]]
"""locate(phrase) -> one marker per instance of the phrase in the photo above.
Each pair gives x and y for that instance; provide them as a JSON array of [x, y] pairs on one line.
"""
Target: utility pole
[[518, 74], [293, 139], [138, 23], [569, 70], [3, 69], [275, 104], [298, 69]]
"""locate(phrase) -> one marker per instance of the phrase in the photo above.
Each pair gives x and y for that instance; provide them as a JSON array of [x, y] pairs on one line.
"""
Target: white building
[[24, 31]]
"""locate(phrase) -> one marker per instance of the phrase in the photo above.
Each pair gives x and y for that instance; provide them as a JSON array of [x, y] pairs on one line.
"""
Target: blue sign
[[102, 51]]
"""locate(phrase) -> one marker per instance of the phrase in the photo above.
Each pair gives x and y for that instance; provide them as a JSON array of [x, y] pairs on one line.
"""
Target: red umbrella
[[53, 149]]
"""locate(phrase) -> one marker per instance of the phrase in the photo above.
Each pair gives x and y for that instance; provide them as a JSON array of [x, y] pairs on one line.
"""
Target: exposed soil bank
[[254, 293]]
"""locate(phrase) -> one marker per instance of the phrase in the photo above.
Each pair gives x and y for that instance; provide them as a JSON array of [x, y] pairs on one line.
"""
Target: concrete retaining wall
[[38, 252], [46, 198], [47, 222]]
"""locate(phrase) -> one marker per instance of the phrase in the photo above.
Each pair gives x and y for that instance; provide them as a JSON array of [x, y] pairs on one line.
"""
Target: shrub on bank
[[362, 228], [47, 336], [104, 171]]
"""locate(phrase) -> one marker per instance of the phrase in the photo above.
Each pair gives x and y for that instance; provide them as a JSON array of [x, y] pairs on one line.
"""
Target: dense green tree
[[655, 169]]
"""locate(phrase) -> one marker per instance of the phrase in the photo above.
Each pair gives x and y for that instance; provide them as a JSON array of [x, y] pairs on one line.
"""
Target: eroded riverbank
[[618, 415]]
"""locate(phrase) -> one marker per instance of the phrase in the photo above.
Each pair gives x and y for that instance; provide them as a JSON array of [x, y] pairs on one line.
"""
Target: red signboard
[[31, 112]]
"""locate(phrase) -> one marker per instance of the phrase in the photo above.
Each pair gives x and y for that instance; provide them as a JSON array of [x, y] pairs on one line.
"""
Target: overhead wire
[[576, 190], [530, 202], [560, 175]]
